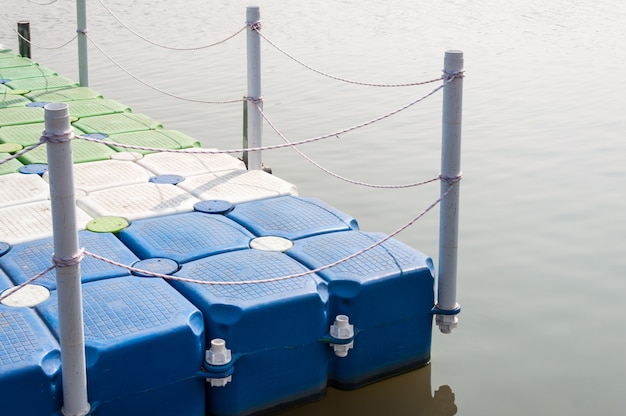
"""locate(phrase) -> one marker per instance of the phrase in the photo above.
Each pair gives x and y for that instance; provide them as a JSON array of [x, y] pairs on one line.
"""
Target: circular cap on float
[[34, 168], [107, 224], [167, 179], [214, 206], [27, 296], [271, 243], [159, 265]]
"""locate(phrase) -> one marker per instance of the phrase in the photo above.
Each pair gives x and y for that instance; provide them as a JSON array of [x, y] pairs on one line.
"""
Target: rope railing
[[275, 146], [62, 262], [193, 48], [157, 89], [257, 28], [30, 41]]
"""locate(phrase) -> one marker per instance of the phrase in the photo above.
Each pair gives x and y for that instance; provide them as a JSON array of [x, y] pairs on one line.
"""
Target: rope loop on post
[[449, 76], [254, 100], [69, 261], [57, 137], [451, 180], [82, 31], [255, 26]]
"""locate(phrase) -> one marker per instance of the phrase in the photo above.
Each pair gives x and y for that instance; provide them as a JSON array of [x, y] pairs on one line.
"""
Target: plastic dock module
[[100, 107], [160, 139], [95, 176], [391, 337], [291, 217], [41, 83], [185, 237], [273, 329], [237, 186], [138, 201], [190, 164], [30, 361], [25, 260], [8, 100], [63, 95], [82, 151], [23, 134], [21, 115], [19, 189], [144, 345], [117, 123], [19, 228], [10, 167], [31, 71]]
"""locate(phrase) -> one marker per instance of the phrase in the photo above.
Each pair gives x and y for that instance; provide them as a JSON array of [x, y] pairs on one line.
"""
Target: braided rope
[[165, 46], [154, 87], [367, 84], [279, 278], [69, 261], [31, 42]]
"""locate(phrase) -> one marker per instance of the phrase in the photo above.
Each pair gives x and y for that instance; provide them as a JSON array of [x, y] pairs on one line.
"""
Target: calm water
[[542, 254]]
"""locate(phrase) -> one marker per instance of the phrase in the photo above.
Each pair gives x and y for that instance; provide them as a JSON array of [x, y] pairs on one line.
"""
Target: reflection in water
[[407, 394]]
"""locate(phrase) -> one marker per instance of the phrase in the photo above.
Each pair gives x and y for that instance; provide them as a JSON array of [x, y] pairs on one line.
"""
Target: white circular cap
[[27, 296], [271, 243]]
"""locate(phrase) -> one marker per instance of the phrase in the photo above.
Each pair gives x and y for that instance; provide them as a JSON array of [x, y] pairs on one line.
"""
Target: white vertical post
[[255, 120], [81, 29], [66, 254], [450, 175]]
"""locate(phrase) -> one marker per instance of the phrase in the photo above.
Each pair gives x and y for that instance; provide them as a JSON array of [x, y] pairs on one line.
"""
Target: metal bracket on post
[[447, 307]]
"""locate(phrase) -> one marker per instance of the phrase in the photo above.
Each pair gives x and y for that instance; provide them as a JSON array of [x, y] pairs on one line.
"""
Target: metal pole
[[67, 259], [81, 29], [23, 31], [255, 120], [447, 307]]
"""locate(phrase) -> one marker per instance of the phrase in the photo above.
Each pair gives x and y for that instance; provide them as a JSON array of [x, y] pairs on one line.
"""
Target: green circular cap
[[107, 224], [10, 147]]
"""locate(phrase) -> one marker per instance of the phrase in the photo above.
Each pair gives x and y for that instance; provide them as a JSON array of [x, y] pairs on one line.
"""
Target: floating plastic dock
[[235, 322]]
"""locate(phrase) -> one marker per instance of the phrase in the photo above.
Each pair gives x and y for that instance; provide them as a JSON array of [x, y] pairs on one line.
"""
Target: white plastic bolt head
[[341, 350], [218, 354], [447, 323], [219, 382], [342, 329]]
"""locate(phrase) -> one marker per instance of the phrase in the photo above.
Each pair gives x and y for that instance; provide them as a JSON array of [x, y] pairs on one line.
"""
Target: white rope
[[31, 42], [65, 136], [69, 261], [368, 84], [275, 146], [13, 290], [21, 152], [343, 178], [178, 97], [165, 46], [280, 278]]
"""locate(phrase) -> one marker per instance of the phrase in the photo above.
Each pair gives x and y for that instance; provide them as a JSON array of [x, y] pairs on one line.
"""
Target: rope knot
[[254, 100], [254, 26], [57, 137], [449, 76], [82, 31], [450, 180], [69, 261]]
